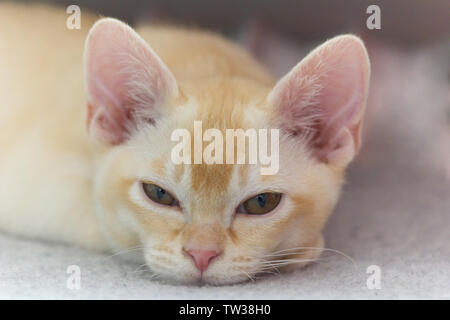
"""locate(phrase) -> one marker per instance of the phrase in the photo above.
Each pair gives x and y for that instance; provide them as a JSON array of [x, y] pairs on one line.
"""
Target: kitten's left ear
[[126, 81], [323, 98]]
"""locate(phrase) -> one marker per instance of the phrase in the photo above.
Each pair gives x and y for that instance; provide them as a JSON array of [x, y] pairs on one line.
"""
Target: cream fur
[[58, 183]]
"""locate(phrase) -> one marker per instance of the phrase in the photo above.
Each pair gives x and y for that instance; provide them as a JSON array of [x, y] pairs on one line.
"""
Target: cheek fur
[[263, 231]]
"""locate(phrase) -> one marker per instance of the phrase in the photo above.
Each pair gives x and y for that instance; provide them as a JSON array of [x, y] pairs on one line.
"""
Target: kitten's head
[[219, 223]]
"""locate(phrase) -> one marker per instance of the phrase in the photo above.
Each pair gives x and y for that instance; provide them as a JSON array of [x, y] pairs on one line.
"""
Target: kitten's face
[[219, 223], [207, 213]]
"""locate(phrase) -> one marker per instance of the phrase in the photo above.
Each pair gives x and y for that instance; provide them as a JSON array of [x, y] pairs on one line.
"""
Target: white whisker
[[126, 251], [299, 250]]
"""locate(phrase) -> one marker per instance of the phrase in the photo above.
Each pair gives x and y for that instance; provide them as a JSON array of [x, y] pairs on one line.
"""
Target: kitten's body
[[46, 162], [59, 183]]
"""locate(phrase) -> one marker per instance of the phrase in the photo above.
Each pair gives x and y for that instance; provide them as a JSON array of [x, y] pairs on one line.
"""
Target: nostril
[[202, 258]]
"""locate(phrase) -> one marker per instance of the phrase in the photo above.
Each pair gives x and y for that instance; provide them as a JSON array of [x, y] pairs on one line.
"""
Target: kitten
[[114, 187]]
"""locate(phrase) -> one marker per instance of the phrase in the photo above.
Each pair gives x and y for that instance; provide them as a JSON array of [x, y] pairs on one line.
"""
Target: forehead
[[218, 104], [224, 104]]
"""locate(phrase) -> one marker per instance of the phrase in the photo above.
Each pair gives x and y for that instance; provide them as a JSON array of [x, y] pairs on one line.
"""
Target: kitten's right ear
[[126, 82], [323, 99]]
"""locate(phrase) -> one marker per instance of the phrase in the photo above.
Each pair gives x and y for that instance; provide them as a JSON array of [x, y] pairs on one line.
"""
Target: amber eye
[[159, 195], [261, 203]]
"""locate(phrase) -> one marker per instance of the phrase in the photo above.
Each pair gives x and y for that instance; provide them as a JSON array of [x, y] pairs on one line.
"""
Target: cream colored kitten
[[113, 186]]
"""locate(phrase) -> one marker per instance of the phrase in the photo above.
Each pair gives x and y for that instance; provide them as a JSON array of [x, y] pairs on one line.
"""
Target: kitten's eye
[[261, 203], [159, 195]]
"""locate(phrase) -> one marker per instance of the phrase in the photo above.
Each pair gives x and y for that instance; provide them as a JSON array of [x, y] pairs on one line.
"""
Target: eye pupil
[[262, 200], [160, 192]]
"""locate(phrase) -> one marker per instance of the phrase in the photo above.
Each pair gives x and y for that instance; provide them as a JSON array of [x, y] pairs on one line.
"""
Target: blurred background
[[403, 21]]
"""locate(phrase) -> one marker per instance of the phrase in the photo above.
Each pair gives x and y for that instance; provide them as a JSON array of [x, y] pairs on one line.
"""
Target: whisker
[[285, 260], [248, 275], [127, 250], [285, 263], [139, 268], [148, 271], [291, 251], [269, 270]]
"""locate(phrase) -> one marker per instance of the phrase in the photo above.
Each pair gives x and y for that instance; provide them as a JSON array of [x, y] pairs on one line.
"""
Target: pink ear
[[322, 99], [126, 81]]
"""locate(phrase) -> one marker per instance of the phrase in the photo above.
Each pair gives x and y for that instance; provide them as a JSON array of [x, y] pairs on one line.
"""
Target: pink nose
[[202, 258]]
